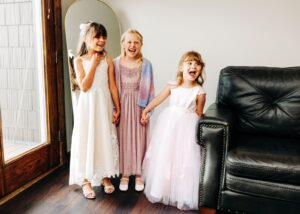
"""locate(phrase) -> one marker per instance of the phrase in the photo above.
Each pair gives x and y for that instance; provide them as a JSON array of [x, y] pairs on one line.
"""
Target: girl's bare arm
[[85, 79], [155, 102], [200, 104], [113, 89]]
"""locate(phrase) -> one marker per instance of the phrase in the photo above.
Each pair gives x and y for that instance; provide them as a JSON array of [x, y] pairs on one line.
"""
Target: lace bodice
[[130, 79], [101, 74]]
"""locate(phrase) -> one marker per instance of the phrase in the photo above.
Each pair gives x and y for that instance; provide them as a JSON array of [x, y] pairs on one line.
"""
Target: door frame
[[21, 172]]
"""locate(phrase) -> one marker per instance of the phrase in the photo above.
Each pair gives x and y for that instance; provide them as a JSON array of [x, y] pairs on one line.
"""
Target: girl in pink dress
[[171, 167], [134, 80]]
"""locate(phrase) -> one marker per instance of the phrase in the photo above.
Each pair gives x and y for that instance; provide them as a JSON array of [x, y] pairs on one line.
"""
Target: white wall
[[231, 32]]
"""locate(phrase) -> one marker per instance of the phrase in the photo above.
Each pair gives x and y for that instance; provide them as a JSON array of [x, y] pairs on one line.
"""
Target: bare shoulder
[[172, 84], [109, 59], [78, 60]]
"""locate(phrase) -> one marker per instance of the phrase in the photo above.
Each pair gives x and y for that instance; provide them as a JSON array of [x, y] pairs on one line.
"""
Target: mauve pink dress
[[131, 133]]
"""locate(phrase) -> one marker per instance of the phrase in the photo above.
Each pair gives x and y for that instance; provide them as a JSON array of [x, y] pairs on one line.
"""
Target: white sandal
[[124, 187], [88, 194]]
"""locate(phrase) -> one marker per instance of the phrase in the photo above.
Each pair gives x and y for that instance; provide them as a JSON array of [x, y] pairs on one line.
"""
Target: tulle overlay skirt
[[171, 168], [94, 150]]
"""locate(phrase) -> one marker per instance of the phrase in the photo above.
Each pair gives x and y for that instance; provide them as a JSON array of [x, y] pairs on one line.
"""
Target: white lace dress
[[94, 149]]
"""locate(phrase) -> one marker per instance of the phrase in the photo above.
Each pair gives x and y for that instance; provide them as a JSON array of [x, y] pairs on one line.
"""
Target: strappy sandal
[[139, 184], [124, 184], [88, 194], [108, 189]]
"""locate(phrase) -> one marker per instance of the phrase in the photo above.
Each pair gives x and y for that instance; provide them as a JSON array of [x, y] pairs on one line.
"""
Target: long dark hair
[[88, 31]]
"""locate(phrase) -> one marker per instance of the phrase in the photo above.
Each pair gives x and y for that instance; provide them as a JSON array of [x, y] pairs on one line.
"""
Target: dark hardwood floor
[[53, 195]]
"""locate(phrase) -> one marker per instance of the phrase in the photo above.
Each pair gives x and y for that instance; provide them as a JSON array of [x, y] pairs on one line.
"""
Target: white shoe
[[124, 184], [139, 184]]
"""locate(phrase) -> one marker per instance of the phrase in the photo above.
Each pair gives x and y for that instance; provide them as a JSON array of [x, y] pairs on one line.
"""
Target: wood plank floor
[[53, 195]]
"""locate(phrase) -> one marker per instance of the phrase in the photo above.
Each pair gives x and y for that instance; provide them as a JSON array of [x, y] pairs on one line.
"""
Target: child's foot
[[139, 184], [108, 186], [124, 184], [87, 190]]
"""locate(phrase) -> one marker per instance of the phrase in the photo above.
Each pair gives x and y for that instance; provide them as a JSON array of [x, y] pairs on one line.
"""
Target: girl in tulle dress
[[94, 150], [171, 168]]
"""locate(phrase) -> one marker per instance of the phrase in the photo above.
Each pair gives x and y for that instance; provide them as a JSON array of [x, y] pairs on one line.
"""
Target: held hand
[[144, 119], [116, 117]]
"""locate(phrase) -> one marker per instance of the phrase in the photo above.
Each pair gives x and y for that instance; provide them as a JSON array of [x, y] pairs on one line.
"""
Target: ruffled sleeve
[[201, 91]]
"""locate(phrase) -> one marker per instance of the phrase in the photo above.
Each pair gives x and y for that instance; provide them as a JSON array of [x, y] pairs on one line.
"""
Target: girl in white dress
[[171, 168], [94, 150]]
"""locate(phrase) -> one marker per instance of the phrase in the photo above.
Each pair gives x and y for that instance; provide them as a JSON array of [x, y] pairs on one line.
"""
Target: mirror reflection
[[81, 12]]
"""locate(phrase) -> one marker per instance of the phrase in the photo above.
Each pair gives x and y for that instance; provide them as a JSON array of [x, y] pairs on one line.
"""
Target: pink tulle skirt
[[171, 168]]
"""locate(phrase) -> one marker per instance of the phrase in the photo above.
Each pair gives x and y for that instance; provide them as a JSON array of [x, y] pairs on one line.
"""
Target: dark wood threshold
[[26, 186]]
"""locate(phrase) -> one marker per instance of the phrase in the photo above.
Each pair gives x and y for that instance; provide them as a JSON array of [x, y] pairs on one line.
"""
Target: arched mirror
[[89, 10]]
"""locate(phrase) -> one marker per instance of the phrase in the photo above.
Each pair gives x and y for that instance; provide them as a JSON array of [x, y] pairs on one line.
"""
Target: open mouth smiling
[[192, 73], [100, 46], [132, 50]]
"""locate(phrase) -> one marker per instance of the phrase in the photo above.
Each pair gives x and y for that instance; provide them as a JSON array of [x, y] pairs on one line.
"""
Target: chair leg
[[204, 210]]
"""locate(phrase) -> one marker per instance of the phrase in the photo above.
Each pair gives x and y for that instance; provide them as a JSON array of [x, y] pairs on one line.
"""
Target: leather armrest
[[213, 134]]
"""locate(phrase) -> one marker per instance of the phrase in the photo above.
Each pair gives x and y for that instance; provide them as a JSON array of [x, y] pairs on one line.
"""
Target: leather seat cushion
[[265, 158], [265, 190]]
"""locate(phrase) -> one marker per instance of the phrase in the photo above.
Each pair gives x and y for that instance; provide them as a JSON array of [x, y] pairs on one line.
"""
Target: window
[[22, 88], [31, 93]]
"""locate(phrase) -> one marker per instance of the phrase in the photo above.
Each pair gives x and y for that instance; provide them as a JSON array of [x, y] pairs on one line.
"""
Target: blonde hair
[[191, 56], [123, 37], [88, 31]]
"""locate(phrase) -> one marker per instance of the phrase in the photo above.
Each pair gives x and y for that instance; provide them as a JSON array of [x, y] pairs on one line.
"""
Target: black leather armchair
[[251, 142]]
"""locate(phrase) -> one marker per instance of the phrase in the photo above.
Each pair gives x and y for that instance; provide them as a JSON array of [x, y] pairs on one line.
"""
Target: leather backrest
[[266, 100]]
